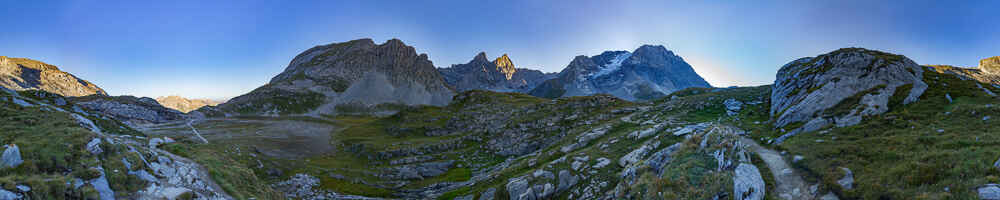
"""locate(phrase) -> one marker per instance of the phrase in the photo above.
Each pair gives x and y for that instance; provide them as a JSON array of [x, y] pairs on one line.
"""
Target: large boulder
[[841, 87], [748, 184], [11, 157]]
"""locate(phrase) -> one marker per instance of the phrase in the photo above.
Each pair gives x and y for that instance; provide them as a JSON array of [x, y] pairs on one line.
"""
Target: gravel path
[[789, 184]]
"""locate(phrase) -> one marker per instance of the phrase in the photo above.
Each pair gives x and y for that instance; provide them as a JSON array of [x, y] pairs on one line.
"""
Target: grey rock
[[732, 106], [466, 197], [691, 129], [518, 187], [23, 188], [8, 195], [544, 174], [797, 158], [11, 157], [948, 96], [748, 184], [101, 185], [989, 192], [601, 162], [60, 101], [22, 103], [131, 110], [847, 182], [637, 154], [566, 180], [94, 146], [662, 158], [489, 194], [805, 88]]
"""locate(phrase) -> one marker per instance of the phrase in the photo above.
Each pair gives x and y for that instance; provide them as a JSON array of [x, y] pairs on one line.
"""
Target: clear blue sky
[[226, 48]]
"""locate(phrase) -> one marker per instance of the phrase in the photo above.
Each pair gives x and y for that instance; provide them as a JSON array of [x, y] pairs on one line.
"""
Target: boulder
[[841, 87], [637, 154], [518, 187], [566, 180], [748, 184], [601, 162], [11, 157], [94, 146], [5, 195], [732, 106], [989, 192], [662, 158], [847, 182]]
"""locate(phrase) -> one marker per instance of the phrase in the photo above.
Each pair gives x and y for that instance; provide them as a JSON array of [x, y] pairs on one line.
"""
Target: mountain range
[[853, 123], [185, 105]]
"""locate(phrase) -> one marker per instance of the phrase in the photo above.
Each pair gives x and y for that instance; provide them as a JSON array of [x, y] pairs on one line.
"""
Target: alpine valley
[[363, 120]]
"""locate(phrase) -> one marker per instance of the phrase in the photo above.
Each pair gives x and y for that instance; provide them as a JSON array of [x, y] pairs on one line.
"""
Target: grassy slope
[[915, 151], [53, 146]]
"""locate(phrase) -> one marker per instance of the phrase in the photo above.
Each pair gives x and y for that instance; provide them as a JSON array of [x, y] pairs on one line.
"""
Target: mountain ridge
[[26, 74]]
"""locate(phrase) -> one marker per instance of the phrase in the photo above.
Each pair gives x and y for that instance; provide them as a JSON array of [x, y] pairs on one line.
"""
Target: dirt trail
[[789, 184]]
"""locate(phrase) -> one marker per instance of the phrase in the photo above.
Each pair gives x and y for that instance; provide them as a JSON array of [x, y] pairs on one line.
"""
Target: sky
[[219, 49]]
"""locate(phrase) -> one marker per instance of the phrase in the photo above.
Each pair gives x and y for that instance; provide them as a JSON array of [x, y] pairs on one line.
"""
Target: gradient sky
[[216, 49]]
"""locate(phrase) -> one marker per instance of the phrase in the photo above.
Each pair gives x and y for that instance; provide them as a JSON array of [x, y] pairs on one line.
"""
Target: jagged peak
[[505, 66], [481, 57]]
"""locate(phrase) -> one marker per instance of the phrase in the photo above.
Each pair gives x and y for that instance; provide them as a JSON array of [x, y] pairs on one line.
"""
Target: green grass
[[233, 172], [53, 146]]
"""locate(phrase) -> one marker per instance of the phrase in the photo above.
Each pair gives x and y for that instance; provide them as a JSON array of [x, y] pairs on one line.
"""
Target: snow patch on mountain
[[613, 65]]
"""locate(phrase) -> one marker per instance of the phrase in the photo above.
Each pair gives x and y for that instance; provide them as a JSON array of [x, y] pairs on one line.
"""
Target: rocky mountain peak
[[990, 65], [481, 57], [505, 66], [653, 53], [357, 72], [27, 74]]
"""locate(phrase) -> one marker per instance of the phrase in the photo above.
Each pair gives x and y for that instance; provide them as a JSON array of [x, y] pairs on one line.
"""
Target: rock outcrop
[[648, 73], [355, 73], [841, 87], [988, 71], [128, 109], [26, 74], [498, 75], [990, 65], [185, 105]]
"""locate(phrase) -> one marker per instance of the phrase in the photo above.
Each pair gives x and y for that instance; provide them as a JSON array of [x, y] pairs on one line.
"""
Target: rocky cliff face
[[499, 75], [26, 74], [649, 72], [990, 65], [185, 105], [357, 72], [841, 87]]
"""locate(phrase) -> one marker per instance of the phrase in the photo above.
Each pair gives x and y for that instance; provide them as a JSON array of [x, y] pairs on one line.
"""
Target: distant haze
[[220, 49]]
